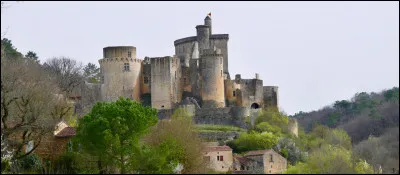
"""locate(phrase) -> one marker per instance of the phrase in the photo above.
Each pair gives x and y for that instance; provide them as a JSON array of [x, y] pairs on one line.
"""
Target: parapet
[[202, 26], [106, 60]]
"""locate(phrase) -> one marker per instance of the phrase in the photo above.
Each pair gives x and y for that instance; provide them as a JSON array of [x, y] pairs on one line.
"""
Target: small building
[[56, 143], [219, 158], [260, 162]]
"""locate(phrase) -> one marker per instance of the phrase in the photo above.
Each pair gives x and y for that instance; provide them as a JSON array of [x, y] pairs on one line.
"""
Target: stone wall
[[271, 97], [249, 92], [218, 136], [146, 76], [235, 116]]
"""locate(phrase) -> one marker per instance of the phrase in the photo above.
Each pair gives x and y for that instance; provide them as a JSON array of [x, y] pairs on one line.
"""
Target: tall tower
[[212, 89], [208, 22], [120, 73], [203, 37]]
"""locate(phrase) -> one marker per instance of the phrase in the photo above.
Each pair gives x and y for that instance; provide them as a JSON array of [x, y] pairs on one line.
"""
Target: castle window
[[129, 54], [234, 93], [220, 158], [126, 67], [146, 80], [271, 160]]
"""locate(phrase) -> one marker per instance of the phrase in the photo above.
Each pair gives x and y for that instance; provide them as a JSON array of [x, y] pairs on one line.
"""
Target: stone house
[[56, 143], [219, 158], [260, 162]]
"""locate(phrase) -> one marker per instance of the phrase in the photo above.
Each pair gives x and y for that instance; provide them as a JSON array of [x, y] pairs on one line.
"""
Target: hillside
[[370, 119]]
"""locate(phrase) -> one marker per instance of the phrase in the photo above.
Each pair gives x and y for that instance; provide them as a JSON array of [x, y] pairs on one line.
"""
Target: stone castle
[[198, 72]]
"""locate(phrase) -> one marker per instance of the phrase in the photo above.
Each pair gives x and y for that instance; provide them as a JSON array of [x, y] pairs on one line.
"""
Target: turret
[[120, 73], [203, 37], [208, 22], [212, 81]]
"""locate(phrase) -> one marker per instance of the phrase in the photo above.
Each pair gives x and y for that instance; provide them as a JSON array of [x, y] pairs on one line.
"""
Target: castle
[[198, 71]]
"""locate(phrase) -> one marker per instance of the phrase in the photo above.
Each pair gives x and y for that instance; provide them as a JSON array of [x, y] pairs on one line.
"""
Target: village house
[[260, 162], [219, 158]]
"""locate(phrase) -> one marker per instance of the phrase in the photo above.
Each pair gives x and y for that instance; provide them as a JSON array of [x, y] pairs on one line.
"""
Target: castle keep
[[197, 74]]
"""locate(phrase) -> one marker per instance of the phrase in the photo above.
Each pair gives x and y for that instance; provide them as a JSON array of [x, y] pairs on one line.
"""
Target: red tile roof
[[67, 132], [241, 160], [258, 152], [218, 148]]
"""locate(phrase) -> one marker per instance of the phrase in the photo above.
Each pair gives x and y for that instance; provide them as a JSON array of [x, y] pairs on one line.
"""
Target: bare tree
[[67, 73], [28, 104]]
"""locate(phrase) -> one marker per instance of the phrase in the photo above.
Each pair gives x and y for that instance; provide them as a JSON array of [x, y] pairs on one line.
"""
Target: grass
[[218, 128]]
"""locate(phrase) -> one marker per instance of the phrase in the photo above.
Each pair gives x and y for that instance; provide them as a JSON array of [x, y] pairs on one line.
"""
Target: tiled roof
[[258, 152], [67, 132], [218, 148], [241, 160]]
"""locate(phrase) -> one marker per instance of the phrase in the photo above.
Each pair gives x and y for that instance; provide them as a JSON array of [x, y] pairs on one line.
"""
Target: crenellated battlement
[[106, 60]]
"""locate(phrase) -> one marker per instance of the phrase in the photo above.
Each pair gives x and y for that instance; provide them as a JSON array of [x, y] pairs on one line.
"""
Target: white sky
[[316, 52]]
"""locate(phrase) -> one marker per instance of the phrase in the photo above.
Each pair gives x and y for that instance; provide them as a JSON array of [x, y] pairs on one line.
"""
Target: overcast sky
[[316, 52]]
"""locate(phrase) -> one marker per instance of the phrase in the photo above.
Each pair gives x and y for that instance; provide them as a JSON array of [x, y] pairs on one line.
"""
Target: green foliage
[[32, 56], [112, 130], [288, 149], [253, 141], [362, 167], [217, 128], [326, 160], [92, 73], [175, 141], [5, 166], [30, 163], [392, 94], [266, 127], [9, 50]]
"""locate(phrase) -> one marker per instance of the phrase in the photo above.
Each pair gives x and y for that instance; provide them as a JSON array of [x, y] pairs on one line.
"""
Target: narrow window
[[129, 54], [234, 93], [220, 60], [221, 158], [271, 160], [218, 158], [126, 67], [221, 73], [146, 80]]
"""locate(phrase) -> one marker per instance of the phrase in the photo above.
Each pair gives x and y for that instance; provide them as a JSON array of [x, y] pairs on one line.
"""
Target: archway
[[255, 106]]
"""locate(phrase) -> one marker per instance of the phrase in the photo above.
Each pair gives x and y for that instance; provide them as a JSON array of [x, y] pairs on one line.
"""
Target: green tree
[[8, 50], [92, 73], [111, 131], [175, 143], [254, 141], [32, 56]]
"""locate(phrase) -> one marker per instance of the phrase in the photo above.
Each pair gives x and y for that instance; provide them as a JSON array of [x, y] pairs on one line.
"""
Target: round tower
[[120, 73], [208, 22], [212, 89], [203, 37]]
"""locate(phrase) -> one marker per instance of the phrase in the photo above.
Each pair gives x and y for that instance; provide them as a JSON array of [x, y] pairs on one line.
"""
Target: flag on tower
[[209, 14]]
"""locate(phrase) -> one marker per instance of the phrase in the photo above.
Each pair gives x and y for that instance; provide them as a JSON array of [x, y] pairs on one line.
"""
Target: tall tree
[[28, 104], [32, 56], [92, 73], [67, 73], [9, 50], [111, 131]]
